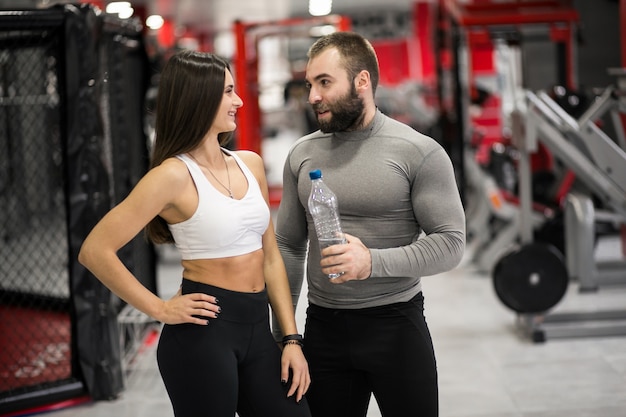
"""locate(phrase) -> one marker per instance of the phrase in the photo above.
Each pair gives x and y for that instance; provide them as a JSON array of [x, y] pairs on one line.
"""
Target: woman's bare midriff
[[243, 273]]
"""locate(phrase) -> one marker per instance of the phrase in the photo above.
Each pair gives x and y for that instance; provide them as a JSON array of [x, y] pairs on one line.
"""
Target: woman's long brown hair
[[191, 87]]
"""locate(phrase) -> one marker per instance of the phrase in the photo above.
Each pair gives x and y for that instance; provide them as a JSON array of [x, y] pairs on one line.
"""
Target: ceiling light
[[154, 22], [121, 8], [320, 7]]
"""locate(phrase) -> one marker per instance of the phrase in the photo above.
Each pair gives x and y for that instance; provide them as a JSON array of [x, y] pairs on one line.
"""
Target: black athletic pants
[[231, 365], [385, 350]]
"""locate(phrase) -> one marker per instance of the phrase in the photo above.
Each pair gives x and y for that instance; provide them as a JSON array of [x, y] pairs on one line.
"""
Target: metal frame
[[248, 35], [473, 23], [580, 220], [246, 73], [600, 163]]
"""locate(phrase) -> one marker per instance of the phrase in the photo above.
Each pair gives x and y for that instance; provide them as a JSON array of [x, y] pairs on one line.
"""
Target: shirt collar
[[364, 133]]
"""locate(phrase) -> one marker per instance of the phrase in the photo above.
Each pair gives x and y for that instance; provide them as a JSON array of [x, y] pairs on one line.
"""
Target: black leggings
[[384, 350], [231, 365]]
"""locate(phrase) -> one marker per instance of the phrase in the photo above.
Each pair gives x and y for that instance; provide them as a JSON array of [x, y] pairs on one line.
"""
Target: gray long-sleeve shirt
[[397, 193]]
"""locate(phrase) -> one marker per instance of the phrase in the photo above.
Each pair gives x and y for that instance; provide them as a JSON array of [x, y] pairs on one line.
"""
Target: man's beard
[[346, 113]]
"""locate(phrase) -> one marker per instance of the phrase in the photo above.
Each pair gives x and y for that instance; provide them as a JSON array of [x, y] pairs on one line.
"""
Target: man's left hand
[[352, 260]]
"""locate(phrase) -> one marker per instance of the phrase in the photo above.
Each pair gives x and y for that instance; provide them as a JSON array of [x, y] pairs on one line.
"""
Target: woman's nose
[[238, 102]]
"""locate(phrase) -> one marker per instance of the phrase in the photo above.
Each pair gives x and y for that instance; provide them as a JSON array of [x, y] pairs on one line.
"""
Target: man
[[401, 210]]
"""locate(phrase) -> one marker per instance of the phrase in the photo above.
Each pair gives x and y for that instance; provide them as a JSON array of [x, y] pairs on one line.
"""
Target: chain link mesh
[[72, 145], [34, 279]]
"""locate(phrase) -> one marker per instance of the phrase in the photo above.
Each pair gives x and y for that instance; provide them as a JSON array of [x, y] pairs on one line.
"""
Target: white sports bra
[[221, 226]]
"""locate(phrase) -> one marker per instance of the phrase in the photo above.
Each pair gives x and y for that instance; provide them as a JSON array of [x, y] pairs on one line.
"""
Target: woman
[[216, 354]]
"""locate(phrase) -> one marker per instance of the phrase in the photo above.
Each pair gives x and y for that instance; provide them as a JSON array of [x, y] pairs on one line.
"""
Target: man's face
[[332, 94]]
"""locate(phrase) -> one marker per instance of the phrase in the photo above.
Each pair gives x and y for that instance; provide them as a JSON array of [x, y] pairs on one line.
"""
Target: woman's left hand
[[293, 359]]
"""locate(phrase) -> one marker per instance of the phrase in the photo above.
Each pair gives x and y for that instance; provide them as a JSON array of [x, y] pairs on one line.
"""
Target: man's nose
[[314, 97]]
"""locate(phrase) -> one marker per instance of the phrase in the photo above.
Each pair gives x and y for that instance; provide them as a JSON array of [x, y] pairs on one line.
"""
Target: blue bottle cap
[[315, 174]]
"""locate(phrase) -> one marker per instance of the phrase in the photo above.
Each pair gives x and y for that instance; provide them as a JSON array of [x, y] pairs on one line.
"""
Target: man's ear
[[362, 80]]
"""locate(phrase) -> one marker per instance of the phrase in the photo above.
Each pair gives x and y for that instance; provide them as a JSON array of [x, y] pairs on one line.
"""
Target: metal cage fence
[[34, 278], [72, 85]]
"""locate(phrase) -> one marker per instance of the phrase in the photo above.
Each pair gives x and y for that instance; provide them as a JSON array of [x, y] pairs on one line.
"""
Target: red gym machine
[[246, 69]]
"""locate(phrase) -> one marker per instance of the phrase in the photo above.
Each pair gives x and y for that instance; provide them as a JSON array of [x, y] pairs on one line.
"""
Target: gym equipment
[[494, 221], [531, 279], [599, 163], [246, 65], [488, 41], [468, 47], [581, 218]]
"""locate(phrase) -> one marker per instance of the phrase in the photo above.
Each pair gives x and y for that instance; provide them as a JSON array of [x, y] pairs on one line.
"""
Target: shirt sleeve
[[438, 209]]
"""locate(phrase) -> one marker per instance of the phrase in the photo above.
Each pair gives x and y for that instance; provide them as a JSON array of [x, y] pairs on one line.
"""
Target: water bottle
[[324, 210]]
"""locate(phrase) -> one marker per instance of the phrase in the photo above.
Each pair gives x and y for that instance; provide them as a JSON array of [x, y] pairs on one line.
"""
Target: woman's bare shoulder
[[252, 159], [172, 170]]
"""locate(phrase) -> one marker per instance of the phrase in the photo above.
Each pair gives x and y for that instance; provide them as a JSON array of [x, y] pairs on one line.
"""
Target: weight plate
[[531, 279]]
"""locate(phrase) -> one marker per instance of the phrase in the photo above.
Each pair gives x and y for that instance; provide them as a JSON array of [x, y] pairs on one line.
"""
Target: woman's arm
[[161, 190], [278, 291]]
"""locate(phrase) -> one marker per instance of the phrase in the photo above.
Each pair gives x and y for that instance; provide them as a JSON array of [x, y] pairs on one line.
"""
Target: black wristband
[[297, 338]]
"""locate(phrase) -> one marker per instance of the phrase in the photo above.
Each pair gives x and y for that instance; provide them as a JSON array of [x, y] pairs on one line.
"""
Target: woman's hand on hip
[[194, 308]]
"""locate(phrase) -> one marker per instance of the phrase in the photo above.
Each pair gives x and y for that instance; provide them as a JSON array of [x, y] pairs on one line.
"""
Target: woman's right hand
[[293, 360], [194, 308]]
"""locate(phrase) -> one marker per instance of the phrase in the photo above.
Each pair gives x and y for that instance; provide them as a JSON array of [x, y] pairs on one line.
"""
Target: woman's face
[[225, 118]]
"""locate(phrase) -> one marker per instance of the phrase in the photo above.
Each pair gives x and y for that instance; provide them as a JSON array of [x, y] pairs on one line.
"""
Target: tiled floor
[[486, 368]]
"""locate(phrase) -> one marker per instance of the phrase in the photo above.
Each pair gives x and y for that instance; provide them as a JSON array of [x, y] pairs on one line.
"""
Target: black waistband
[[417, 300], [241, 307]]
